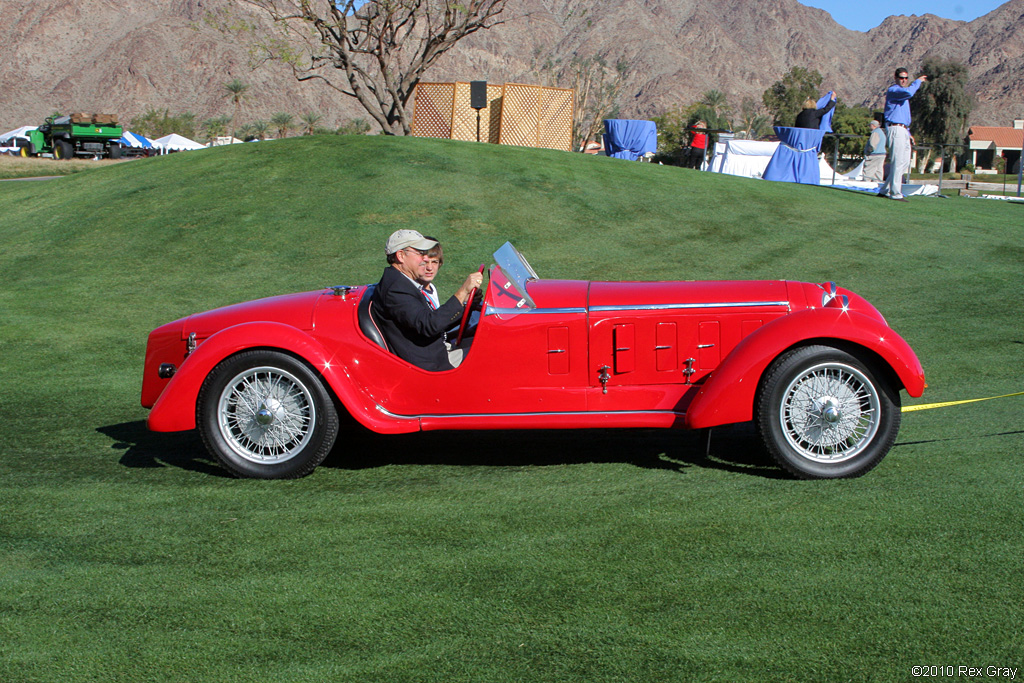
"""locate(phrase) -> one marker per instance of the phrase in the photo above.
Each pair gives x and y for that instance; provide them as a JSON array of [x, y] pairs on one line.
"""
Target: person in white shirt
[[427, 271]]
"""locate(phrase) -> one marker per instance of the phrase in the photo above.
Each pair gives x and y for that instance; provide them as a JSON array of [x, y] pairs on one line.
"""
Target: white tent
[[7, 140], [176, 143], [16, 133]]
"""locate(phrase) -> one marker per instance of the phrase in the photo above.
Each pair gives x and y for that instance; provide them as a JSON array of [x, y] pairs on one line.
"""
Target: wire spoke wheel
[[266, 414], [823, 413], [830, 413]]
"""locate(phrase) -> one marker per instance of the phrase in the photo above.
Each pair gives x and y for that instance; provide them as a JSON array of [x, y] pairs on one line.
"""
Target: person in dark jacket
[[810, 116], [413, 327]]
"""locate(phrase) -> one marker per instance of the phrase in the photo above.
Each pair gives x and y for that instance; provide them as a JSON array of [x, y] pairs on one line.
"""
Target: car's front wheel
[[823, 413], [265, 414]]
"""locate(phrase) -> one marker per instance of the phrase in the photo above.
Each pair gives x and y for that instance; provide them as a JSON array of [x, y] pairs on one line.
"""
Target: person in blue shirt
[[897, 131], [874, 153]]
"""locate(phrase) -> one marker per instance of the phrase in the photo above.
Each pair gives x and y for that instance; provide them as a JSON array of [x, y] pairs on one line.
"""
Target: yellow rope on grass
[[929, 406]]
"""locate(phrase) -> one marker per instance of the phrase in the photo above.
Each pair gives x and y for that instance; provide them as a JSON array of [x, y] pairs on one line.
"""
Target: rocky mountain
[[129, 56]]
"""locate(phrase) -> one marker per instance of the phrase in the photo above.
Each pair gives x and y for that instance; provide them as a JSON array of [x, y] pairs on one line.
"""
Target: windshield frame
[[516, 272]]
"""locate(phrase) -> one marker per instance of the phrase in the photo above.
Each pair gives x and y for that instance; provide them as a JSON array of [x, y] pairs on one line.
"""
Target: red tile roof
[[1002, 137]]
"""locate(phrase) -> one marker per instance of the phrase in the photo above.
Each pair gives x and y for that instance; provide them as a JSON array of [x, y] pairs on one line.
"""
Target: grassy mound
[[490, 556]]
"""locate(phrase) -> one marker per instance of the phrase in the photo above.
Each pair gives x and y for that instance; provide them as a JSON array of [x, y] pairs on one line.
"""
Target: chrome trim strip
[[532, 311], [634, 307], [556, 413], [670, 307]]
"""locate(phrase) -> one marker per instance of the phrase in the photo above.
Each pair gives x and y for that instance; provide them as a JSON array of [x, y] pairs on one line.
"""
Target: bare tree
[[596, 89], [373, 50]]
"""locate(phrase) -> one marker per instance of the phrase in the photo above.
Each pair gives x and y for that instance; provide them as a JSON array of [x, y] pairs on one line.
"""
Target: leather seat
[[367, 323]]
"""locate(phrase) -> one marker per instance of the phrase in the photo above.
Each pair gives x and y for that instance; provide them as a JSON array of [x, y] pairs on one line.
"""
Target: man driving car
[[411, 323]]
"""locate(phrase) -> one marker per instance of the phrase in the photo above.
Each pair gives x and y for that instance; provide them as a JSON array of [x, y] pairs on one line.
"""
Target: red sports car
[[816, 368]]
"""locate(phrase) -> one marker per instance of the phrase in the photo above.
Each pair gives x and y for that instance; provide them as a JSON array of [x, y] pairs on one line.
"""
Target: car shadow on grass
[[143, 448], [733, 448]]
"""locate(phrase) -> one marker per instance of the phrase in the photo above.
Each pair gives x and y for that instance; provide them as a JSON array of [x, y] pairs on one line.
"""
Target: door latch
[[603, 376], [688, 370]]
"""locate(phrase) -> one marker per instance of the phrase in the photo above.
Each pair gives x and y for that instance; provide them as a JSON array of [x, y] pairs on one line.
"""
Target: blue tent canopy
[[130, 139], [629, 139]]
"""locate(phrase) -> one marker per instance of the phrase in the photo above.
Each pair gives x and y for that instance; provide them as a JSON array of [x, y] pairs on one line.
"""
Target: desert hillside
[[129, 56]]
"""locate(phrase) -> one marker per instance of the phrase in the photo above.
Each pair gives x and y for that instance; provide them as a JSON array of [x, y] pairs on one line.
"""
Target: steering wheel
[[465, 313]]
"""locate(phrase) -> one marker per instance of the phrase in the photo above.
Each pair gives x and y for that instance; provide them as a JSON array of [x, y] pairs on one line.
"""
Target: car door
[[651, 343]]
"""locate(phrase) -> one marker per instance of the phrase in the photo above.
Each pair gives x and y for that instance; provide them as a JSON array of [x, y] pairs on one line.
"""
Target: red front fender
[[175, 410], [728, 394]]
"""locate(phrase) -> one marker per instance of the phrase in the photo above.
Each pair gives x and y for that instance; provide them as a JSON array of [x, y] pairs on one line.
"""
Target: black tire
[[114, 151], [63, 149], [824, 414], [266, 415]]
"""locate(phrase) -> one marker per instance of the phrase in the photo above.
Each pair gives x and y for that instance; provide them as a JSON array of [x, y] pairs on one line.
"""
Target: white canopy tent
[[176, 143], [22, 133], [8, 141]]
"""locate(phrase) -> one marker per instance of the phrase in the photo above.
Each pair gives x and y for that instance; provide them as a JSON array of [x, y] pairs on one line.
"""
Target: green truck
[[82, 135]]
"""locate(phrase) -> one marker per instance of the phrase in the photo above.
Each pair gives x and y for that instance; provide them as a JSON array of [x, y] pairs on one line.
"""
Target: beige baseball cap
[[403, 239]]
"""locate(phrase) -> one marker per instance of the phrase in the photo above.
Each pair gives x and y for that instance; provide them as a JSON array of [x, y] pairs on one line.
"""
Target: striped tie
[[426, 293]]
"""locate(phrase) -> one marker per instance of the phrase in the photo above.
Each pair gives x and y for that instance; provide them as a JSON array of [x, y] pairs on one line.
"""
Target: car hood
[[611, 295], [295, 310]]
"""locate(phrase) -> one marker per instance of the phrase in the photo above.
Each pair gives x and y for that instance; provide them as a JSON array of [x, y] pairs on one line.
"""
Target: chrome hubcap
[[830, 411]]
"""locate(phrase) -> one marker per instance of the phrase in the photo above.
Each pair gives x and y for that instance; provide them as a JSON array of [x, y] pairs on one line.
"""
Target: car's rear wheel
[[823, 413], [265, 414]]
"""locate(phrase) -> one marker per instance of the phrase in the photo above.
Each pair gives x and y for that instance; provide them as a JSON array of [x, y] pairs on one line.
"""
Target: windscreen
[[509, 276]]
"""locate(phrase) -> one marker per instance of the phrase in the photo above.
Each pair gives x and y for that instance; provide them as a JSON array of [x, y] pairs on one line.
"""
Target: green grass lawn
[[628, 555]]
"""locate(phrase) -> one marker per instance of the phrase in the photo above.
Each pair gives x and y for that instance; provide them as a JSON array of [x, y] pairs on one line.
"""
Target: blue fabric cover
[[826, 120], [629, 139], [796, 158]]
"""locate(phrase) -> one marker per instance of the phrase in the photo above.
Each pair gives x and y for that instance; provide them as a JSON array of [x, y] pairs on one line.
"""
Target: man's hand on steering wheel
[[474, 282]]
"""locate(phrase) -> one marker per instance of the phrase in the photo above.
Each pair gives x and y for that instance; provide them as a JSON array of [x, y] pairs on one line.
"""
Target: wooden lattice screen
[[516, 114], [556, 112], [464, 116], [432, 116], [534, 116]]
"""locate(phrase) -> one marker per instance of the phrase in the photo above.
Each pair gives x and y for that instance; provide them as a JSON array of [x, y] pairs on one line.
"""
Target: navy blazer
[[414, 331]]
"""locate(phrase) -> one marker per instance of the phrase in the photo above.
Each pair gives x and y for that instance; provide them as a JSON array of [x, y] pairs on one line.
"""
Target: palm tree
[[259, 129], [716, 101], [216, 127], [310, 119], [282, 122], [237, 90]]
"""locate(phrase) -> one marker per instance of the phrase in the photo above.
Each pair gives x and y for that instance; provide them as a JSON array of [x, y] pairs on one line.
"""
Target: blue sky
[[867, 14]]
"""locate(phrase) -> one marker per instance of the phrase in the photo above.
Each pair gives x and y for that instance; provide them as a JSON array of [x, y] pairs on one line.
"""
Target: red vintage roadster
[[816, 367]]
